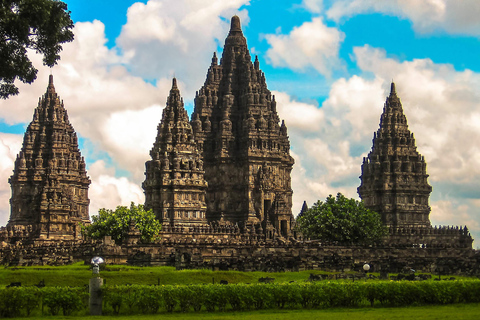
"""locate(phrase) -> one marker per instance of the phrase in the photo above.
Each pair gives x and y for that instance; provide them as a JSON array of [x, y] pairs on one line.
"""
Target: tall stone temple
[[245, 149], [175, 187], [49, 181], [394, 178]]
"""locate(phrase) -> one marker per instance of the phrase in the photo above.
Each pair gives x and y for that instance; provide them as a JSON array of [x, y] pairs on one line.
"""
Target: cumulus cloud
[[450, 16], [300, 116], [10, 145], [109, 103], [314, 6], [107, 191], [93, 85], [329, 141], [441, 105], [311, 189], [132, 133], [163, 38], [311, 45]]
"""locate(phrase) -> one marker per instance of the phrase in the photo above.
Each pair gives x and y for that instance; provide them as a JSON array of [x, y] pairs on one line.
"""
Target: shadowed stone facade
[[174, 186], [394, 178], [49, 181], [246, 151]]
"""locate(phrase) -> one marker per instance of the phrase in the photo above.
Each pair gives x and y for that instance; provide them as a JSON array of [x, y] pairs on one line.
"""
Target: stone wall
[[228, 249]]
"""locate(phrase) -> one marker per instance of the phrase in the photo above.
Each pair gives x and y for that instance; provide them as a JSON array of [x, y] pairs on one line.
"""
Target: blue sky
[[329, 63]]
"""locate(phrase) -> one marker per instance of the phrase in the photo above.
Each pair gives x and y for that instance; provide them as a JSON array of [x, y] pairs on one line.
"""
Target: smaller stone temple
[[49, 182], [174, 186], [394, 177], [394, 184]]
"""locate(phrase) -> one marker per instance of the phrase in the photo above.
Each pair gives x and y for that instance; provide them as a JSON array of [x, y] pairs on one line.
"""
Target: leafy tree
[[341, 220], [40, 25], [117, 223]]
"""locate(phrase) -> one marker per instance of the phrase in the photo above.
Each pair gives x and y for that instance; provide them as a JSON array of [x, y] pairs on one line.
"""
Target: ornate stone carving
[[49, 183], [394, 178], [174, 185], [241, 134]]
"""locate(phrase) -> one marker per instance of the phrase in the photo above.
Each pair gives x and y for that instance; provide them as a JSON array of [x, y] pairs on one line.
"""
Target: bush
[[64, 298], [169, 294], [114, 297], [149, 299], [15, 302]]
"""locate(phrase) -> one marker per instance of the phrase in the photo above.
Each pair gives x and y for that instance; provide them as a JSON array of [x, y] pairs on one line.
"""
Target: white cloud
[[118, 112], [108, 101], [441, 105], [442, 108], [314, 6], [107, 191], [312, 44], [10, 145], [299, 115], [132, 133], [325, 140], [177, 37], [451, 16], [458, 213], [106, 104]]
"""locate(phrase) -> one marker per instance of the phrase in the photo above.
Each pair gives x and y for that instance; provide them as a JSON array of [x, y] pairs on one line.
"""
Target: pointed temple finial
[[214, 59], [256, 64], [304, 208], [51, 87], [392, 89], [174, 83], [235, 24]]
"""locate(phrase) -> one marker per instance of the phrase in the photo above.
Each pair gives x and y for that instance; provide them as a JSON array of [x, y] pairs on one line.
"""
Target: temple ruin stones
[[220, 183], [246, 150], [394, 178], [394, 184], [49, 182], [174, 186]]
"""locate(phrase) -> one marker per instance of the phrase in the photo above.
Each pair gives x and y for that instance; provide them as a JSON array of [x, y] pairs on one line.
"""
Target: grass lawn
[[454, 312], [78, 274]]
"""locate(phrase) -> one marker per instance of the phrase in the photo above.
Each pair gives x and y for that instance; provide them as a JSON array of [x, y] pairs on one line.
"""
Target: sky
[[329, 64]]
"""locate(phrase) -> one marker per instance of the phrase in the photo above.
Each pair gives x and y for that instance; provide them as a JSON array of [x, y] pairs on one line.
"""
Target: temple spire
[[238, 130], [51, 87], [174, 153], [235, 39], [392, 173], [235, 24], [392, 89], [50, 169]]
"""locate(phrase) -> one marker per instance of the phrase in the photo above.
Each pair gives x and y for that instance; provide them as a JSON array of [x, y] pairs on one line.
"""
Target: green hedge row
[[22, 301], [214, 297]]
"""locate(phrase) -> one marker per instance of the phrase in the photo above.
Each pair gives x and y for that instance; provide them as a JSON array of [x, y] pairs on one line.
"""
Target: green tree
[[341, 220], [39, 25], [117, 223]]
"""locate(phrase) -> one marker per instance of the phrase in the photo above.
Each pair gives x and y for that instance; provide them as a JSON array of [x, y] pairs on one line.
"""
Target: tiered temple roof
[[49, 183], [394, 178], [175, 186], [245, 148]]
